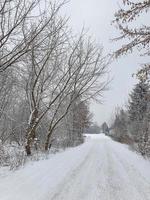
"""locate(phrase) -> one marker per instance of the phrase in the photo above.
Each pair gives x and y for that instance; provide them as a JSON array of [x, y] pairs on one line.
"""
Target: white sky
[[96, 15]]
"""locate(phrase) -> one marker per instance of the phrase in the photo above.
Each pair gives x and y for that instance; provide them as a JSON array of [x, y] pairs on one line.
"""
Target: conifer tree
[[138, 101], [120, 126], [138, 108]]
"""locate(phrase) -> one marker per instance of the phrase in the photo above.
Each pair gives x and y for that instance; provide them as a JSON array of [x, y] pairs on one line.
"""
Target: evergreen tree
[[120, 126], [105, 128], [138, 101], [144, 142], [138, 108]]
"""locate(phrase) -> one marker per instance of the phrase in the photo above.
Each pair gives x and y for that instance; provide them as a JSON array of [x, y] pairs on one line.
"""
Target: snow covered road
[[100, 169]]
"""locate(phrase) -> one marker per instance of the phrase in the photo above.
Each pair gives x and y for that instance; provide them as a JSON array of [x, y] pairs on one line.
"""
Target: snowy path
[[100, 169]]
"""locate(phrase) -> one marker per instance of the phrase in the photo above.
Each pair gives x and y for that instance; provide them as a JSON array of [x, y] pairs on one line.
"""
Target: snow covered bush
[[12, 155]]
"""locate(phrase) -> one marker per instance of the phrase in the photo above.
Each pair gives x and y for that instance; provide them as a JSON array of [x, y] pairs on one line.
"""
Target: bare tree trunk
[[31, 136], [31, 132], [48, 139], [28, 149]]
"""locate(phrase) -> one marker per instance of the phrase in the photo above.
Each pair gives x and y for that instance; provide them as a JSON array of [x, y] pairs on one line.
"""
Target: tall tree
[[120, 126], [138, 101], [137, 109], [105, 128]]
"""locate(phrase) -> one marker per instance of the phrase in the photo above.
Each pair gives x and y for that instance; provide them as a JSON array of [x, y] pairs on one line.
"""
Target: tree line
[[47, 76], [132, 125]]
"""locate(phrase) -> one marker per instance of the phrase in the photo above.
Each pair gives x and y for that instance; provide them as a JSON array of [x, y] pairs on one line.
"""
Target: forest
[[131, 124]]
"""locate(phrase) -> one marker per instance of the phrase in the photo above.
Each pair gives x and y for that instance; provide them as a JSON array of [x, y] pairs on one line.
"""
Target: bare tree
[[58, 76], [138, 36], [8, 83], [21, 22], [53, 68], [85, 68], [41, 66]]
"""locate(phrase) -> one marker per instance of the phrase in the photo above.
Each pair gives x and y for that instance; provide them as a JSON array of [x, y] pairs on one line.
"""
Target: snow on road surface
[[100, 169]]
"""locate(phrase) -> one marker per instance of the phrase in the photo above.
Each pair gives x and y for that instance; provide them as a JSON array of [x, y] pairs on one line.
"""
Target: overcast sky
[[96, 15]]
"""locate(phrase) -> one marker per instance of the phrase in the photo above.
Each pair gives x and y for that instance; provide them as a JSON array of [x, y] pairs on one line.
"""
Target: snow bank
[[133, 158], [37, 179]]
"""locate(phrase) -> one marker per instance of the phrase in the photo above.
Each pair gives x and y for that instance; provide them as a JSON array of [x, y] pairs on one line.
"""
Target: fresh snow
[[100, 169]]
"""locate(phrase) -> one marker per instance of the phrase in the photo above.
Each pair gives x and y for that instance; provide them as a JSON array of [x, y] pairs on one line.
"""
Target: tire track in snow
[[113, 177], [65, 185], [77, 185], [111, 184], [135, 178]]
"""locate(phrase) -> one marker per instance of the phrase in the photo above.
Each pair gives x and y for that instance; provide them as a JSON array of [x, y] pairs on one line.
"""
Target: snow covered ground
[[100, 169]]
